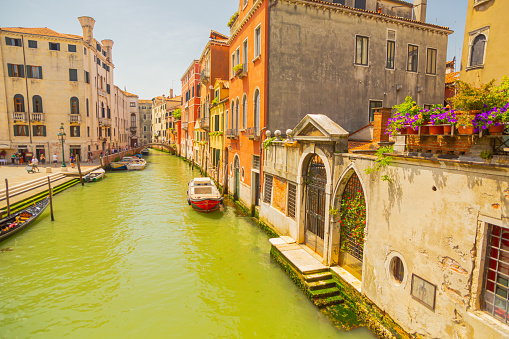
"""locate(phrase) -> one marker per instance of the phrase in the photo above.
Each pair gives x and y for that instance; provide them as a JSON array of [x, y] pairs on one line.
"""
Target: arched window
[[244, 111], [232, 117], [237, 115], [75, 106], [226, 121], [37, 104], [133, 120], [19, 103], [477, 51], [256, 117]]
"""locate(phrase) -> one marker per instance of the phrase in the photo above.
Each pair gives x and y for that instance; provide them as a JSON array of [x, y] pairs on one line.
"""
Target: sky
[[155, 41]]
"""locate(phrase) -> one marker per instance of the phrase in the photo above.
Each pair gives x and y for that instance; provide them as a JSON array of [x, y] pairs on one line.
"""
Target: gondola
[[21, 219]]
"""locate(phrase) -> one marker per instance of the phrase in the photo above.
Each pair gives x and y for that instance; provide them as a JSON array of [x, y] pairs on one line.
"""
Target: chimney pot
[[420, 7], [87, 24]]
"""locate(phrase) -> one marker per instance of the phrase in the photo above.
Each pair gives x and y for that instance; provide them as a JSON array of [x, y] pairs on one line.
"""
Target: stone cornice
[[246, 18]]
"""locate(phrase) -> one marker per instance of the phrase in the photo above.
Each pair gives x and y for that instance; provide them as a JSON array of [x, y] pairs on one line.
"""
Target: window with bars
[[267, 190], [292, 194], [256, 162], [496, 276]]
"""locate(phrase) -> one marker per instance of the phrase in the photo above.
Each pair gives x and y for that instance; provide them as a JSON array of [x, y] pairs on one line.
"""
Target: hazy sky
[[156, 40]]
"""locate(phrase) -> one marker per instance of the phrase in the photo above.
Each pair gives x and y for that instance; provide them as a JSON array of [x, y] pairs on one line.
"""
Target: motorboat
[[203, 195], [145, 151], [136, 165], [122, 164], [22, 219], [94, 176]]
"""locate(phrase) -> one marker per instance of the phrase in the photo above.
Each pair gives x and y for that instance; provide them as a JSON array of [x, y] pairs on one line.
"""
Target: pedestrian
[[55, 160], [35, 164], [13, 158], [17, 158], [43, 159], [72, 161]]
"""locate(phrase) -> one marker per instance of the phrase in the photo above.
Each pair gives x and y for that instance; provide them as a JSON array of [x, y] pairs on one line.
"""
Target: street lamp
[[61, 136]]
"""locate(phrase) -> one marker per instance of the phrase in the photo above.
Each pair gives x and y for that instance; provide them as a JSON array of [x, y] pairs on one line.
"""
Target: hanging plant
[[353, 219]]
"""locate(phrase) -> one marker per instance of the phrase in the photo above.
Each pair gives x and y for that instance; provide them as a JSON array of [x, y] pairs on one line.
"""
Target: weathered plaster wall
[[311, 66]]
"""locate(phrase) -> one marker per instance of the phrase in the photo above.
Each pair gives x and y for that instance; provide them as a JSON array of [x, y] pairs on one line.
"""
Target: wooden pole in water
[[7, 197], [50, 199], [225, 187], [79, 169]]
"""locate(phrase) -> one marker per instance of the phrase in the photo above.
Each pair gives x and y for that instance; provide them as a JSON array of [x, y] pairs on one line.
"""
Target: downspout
[[26, 87]]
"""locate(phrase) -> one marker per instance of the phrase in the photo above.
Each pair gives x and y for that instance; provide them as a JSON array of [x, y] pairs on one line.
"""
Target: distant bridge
[[170, 148]]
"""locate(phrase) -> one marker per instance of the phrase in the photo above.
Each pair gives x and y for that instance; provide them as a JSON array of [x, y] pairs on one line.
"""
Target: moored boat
[[22, 219], [145, 151], [94, 176], [119, 165], [136, 165], [203, 195]]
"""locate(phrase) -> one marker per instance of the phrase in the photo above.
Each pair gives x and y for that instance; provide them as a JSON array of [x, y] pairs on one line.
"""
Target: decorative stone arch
[[236, 176], [346, 247]]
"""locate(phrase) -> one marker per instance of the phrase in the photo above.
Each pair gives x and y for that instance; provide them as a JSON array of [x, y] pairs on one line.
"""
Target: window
[[258, 41], [37, 104], [54, 46], [34, 72], [75, 106], [233, 64], [361, 50], [98, 47], [15, 71], [108, 89], [216, 123], [244, 56], [292, 193], [256, 118], [21, 130], [496, 278], [75, 131], [71, 48], [477, 51], [133, 104], [397, 270], [39, 130], [73, 74], [431, 65], [267, 197], [87, 77], [133, 120], [85, 50], [19, 103], [12, 42], [244, 112], [32, 44], [391, 51], [99, 61], [233, 113], [87, 107], [88, 133], [372, 106], [144, 128], [361, 4], [413, 58]]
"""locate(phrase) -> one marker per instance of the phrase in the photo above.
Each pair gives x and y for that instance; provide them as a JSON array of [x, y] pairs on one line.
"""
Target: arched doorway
[[352, 214], [236, 173], [315, 181]]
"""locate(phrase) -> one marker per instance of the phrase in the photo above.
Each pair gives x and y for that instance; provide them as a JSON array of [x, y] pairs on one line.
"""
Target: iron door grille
[[292, 193], [256, 162], [267, 191], [348, 243], [316, 180]]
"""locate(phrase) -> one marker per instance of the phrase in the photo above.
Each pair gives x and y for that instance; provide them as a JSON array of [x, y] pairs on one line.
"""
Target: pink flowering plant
[[443, 115], [494, 117]]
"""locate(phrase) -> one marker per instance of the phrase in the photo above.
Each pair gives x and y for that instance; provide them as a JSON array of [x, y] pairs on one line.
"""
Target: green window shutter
[[40, 71], [43, 131], [29, 74], [34, 130], [15, 130], [9, 68], [78, 130], [21, 71]]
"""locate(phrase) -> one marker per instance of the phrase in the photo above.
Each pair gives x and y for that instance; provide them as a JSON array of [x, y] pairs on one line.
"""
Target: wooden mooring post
[[50, 199], [7, 197], [79, 169]]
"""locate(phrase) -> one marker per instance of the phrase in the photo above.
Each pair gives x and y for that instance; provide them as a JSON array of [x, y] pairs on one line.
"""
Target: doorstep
[[297, 255]]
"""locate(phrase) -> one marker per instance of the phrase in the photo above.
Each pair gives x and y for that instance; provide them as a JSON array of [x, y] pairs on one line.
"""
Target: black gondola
[[21, 219], [145, 152]]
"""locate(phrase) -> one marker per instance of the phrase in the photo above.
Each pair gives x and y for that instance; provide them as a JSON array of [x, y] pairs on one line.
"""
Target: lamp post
[[61, 136]]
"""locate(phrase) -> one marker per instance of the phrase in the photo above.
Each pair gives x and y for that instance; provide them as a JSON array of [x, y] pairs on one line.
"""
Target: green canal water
[[128, 258]]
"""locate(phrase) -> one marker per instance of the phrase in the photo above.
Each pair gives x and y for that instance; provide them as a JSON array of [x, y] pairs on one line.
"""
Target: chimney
[[420, 10], [381, 118], [87, 24], [108, 44], [171, 93]]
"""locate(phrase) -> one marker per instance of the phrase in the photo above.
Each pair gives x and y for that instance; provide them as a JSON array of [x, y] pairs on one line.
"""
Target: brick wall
[[441, 144], [381, 117]]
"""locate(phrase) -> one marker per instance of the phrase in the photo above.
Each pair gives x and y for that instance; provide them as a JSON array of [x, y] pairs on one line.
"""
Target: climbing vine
[[381, 162], [353, 219]]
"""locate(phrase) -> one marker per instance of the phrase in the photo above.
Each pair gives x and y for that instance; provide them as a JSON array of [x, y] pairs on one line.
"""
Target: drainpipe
[[26, 87]]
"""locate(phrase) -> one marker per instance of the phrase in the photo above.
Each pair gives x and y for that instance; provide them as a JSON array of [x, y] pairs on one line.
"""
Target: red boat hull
[[205, 205]]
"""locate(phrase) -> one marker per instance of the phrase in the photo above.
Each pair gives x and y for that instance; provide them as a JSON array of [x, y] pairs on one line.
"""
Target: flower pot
[[425, 128], [447, 129], [497, 130], [402, 131], [436, 130], [465, 130], [410, 130]]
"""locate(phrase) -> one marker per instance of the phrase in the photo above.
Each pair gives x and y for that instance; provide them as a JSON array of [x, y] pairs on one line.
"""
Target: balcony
[[37, 117], [204, 123], [102, 92], [205, 76], [75, 118], [104, 122], [232, 133], [252, 133], [19, 117], [133, 130]]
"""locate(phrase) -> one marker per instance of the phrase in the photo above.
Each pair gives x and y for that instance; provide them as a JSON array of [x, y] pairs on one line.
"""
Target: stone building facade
[[52, 79], [145, 109]]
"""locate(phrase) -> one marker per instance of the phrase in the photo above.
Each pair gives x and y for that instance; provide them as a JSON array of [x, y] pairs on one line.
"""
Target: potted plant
[[442, 119], [233, 19], [464, 124], [492, 120], [238, 69], [408, 115]]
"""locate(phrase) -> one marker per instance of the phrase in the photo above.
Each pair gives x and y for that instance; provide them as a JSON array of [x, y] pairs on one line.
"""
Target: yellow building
[[218, 108], [485, 54]]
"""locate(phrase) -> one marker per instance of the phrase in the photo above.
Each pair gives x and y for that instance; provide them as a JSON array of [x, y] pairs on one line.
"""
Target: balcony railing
[[38, 117], [104, 122], [102, 92], [204, 122], [252, 133], [19, 116], [232, 133], [75, 118], [205, 76]]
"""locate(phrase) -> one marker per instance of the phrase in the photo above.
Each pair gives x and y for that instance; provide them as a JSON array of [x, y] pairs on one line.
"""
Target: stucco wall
[[311, 65]]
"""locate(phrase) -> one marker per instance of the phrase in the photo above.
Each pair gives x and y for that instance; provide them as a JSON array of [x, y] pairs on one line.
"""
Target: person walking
[[35, 164], [72, 161], [13, 158], [55, 160], [43, 159]]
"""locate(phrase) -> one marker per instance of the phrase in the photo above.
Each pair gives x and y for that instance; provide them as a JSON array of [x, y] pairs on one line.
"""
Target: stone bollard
[[49, 170]]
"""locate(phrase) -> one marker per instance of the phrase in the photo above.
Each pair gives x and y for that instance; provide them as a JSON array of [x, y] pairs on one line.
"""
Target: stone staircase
[[322, 289]]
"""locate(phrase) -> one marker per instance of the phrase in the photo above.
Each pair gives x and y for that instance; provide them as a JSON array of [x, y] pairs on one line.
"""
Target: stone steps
[[321, 284], [324, 293], [318, 276], [329, 301]]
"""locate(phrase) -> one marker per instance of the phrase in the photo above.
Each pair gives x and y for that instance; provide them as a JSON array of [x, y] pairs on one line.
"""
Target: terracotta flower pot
[[497, 130], [410, 130], [447, 129], [465, 130], [436, 130], [425, 128], [402, 131]]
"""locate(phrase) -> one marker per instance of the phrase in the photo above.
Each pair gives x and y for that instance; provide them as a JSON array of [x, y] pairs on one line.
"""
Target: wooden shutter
[[77, 131], [15, 129], [34, 130], [21, 71], [43, 130], [40, 71], [9, 67]]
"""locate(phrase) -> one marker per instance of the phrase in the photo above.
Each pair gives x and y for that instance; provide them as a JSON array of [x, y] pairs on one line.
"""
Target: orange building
[[190, 109], [246, 120]]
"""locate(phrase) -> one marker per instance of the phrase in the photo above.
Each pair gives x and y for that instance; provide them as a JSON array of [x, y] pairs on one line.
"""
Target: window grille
[[267, 191], [292, 193], [350, 244], [496, 277], [256, 162]]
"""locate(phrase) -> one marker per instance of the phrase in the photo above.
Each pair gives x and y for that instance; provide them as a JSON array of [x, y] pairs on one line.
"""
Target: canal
[[127, 257]]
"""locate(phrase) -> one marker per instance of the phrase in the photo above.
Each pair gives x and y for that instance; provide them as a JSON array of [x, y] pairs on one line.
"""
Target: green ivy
[[381, 162], [268, 142]]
